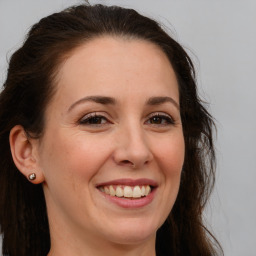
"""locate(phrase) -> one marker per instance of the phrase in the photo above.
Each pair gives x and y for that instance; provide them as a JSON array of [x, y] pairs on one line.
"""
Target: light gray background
[[220, 36]]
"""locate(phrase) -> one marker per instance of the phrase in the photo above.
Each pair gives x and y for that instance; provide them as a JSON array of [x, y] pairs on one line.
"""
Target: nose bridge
[[132, 148], [136, 140]]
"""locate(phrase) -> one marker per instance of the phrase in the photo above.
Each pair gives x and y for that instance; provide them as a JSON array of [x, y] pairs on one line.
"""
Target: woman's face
[[113, 132]]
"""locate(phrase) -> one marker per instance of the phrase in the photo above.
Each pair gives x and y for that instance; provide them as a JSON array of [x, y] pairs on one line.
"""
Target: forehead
[[108, 63]]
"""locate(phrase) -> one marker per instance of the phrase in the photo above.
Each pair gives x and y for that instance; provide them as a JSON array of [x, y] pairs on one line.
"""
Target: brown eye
[[93, 119], [160, 119], [156, 120]]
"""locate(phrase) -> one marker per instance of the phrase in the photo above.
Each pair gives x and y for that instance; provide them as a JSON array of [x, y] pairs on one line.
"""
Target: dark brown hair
[[30, 86]]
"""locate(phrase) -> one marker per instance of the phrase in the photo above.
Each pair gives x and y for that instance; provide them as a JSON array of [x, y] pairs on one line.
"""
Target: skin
[[73, 157]]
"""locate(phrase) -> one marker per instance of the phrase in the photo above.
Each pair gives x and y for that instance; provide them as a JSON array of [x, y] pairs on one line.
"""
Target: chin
[[133, 233]]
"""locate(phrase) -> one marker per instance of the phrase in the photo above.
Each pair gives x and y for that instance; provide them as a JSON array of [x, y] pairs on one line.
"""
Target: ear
[[25, 154]]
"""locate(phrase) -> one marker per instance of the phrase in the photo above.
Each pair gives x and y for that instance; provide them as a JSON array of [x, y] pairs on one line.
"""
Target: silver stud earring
[[32, 176]]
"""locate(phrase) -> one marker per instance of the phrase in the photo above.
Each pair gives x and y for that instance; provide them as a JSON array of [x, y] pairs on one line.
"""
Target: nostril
[[126, 162]]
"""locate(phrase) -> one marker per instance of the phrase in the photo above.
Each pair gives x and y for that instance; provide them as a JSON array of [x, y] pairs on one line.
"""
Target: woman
[[106, 148]]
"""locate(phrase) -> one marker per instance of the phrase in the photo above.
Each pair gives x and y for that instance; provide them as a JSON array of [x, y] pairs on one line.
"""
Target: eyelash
[[163, 117], [92, 119]]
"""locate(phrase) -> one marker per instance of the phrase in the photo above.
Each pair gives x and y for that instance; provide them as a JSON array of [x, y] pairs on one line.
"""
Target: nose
[[132, 149]]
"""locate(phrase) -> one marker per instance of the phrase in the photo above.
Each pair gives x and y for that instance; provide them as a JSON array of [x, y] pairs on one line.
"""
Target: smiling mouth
[[127, 192]]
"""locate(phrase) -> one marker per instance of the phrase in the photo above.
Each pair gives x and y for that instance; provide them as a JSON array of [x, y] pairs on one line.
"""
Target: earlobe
[[23, 151]]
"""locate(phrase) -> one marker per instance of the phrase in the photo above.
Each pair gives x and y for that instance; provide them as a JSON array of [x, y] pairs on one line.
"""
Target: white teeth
[[148, 190], [126, 191], [143, 191], [112, 191], [136, 192], [119, 191], [106, 190]]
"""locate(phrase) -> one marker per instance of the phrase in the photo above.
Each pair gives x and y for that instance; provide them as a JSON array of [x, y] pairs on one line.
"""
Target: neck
[[106, 249]]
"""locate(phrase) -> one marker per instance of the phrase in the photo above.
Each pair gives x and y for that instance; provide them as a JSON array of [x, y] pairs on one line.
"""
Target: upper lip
[[129, 182]]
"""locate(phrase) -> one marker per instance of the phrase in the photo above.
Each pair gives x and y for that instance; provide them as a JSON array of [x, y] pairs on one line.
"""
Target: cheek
[[170, 154], [69, 163], [170, 158], [73, 156]]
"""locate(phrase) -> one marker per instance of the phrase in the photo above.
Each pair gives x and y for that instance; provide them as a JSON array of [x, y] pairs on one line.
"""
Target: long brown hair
[[30, 86]]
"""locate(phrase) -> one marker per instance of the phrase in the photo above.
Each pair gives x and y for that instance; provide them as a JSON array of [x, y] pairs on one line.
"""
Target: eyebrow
[[161, 100], [97, 99], [104, 100]]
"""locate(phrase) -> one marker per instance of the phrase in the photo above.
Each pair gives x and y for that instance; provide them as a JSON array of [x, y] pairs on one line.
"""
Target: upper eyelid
[[95, 114], [108, 117], [159, 113]]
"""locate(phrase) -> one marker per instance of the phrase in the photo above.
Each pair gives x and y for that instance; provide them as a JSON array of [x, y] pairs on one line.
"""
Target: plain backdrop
[[220, 36]]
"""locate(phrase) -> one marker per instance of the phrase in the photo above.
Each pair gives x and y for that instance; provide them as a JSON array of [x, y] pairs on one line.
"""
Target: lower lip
[[131, 203]]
